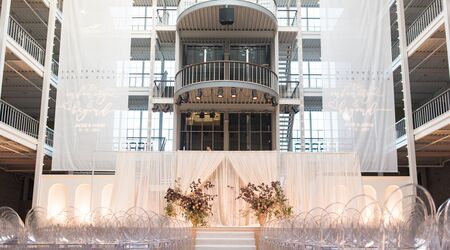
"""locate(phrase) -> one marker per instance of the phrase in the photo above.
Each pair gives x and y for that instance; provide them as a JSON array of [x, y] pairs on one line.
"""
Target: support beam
[[447, 27], [276, 52], [300, 74], [176, 108], [44, 101], [410, 140], [4, 21], [152, 74]]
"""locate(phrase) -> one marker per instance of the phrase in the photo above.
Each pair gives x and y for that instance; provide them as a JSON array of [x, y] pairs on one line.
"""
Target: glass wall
[[194, 54], [202, 131], [314, 132], [312, 74], [256, 54], [250, 131]]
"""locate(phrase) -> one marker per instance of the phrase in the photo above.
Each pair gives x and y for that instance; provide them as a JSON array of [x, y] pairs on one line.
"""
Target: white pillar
[[4, 21], [447, 26], [152, 74], [44, 101], [300, 74], [276, 50], [410, 140], [176, 110]]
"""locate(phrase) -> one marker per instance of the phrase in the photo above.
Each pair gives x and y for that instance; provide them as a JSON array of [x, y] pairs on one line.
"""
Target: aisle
[[239, 240]]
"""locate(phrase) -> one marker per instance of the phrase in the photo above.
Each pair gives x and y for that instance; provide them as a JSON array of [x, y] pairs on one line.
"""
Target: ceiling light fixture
[[254, 96], [199, 94], [233, 93]]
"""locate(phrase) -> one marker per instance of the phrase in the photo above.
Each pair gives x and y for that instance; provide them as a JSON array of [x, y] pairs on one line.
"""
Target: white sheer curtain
[[309, 179], [358, 93], [142, 180], [317, 179], [194, 165], [255, 166]]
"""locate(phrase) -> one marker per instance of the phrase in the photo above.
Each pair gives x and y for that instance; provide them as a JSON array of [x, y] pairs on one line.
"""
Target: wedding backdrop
[[142, 179]]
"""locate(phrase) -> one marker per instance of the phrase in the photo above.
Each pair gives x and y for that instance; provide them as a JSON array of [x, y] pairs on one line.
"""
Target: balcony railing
[[167, 16], [287, 18], [226, 71], [55, 68], [419, 25], [140, 144], [17, 119], [164, 88], [49, 137], [141, 23], [425, 18], [427, 112], [289, 89], [25, 40], [268, 4]]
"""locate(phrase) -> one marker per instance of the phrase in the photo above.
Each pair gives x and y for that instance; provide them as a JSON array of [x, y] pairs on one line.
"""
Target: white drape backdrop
[[358, 92], [93, 83], [318, 179], [309, 179]]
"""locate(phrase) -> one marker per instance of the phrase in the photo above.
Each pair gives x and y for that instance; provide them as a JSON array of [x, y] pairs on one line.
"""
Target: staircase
[[286, 126], [239, 240]]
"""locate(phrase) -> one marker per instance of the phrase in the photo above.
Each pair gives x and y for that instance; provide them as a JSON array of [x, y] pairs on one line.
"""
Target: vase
[[262, 218]]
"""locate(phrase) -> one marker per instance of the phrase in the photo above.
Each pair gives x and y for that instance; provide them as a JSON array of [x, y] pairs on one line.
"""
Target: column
[[4, 21], [447, 26], [276, 123], [410, 140], [300, 74], [176, 110], [152, 75], [45, 96]]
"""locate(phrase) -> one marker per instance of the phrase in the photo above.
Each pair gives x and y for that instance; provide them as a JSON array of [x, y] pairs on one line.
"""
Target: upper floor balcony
[[268, 5], [226, 82], [22, 43]]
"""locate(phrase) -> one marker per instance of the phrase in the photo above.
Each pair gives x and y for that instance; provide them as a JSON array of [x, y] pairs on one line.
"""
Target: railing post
[[410, 140], [4, 19]]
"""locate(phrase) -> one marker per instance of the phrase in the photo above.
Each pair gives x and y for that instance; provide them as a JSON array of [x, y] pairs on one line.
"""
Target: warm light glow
[[83, 202], [393, 205], [106, 197], [56, 201]]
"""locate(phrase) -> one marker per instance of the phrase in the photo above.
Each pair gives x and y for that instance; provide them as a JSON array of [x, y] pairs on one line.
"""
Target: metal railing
[[289, 89], [311, 24], [141, 23], [268, 4], [140, 144], [25, 40], [167, 16], [139, 80], [400, 128], [425, 18], [395, 50], [427, 112], [49, 137], [432, 109], [287, 18], [55, 68], [226, 71], [164, 88], [17, 119]]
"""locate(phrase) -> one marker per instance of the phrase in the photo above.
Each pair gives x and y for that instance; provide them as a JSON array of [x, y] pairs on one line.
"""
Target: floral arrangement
[[266, 200], [195, 206]]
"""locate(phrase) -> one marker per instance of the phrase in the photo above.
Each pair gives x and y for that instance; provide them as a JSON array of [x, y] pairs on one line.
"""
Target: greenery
[[195, 206], [266, 199]]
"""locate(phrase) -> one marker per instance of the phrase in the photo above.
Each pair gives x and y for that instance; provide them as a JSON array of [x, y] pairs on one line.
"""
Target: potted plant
[[266, 200], [195, 205]]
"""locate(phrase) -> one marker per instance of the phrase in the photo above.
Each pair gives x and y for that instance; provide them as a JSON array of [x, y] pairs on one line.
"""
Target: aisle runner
[[209, 240]]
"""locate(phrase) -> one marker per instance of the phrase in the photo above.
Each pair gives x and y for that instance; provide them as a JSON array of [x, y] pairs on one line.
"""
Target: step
[[225, 234], [225, 241], [212, 247]]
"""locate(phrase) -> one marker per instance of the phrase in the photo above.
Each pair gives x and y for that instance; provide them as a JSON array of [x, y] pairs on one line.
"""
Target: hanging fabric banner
[[358, 93], [93, 83]]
